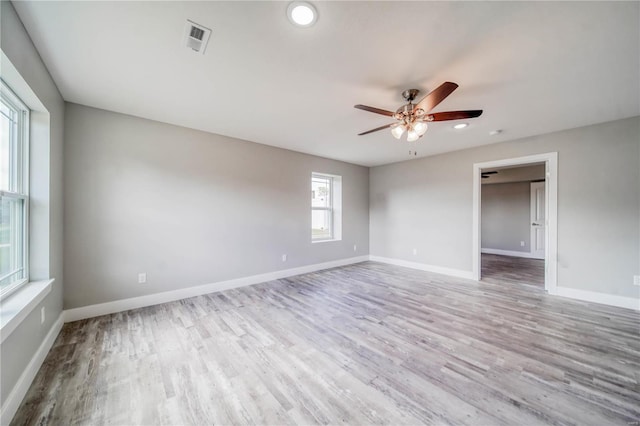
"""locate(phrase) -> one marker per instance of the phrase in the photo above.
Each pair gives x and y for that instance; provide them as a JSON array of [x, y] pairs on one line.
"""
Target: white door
[[537, 219]]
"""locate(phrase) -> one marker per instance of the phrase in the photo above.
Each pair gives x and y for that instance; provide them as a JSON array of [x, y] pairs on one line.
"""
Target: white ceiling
[[534, 67]]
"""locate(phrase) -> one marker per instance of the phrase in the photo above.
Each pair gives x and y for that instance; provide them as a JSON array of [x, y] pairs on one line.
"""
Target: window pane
[[11, 241], [320, 192], [320, 224], [7, 147]]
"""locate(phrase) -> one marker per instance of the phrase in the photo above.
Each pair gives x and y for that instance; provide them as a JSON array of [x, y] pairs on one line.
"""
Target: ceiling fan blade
[[375, 110], [376, 129], [455, 115], [430, 101]]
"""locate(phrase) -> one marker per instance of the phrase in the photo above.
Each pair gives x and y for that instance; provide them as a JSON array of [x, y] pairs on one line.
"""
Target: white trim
[[334, 209], [511, 253], [91, 311], [17, 394], [12, 100], [458, 273], [602, 298], [551, 236], [551, 190], [571, 293], [17, 306], [476, 260]]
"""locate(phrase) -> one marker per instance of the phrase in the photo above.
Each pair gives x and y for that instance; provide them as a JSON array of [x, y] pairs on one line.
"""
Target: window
[[326, 201], [14, 199]]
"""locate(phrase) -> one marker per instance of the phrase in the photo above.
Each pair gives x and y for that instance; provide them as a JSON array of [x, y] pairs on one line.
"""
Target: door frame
[[550, 160]]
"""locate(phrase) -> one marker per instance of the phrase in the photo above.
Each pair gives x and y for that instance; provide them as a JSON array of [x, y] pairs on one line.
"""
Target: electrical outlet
[[355, 247], [521, 243], [43, 315], [415, 251], [284, 257], [142, 277], [636, 280]]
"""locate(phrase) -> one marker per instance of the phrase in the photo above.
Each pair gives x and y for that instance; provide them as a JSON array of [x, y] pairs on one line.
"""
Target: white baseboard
[[91, 311], [571, 293], [424, 267], [603, 298], [17, 394], [511, 253]]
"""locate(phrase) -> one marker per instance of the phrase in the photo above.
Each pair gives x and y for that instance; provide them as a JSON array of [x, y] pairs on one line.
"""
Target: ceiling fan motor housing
[[404, 112], [409, 113]]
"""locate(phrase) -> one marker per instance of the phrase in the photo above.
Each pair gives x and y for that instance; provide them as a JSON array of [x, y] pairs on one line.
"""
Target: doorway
[[542, 231]]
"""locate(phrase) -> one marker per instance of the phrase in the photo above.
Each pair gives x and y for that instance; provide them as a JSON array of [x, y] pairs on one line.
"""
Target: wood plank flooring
[[363, 344], [512, 270]]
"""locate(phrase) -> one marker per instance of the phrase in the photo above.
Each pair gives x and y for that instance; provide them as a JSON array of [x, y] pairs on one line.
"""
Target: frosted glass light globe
[[420, 127], [397, 130]]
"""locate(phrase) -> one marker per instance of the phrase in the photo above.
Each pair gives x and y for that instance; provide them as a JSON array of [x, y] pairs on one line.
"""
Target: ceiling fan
[[414, 117]]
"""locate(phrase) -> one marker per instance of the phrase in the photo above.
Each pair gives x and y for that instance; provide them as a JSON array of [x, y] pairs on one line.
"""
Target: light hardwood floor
[[512, 270], [363, 344]]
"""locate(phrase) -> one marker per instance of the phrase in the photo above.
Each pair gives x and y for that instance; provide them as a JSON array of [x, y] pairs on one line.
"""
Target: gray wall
[[18, 349], [427, 204], [506, 212], [189, 207]]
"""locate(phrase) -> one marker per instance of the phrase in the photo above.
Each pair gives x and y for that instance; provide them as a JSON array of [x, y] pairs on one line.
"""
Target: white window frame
[[22, 182], [335, 207]]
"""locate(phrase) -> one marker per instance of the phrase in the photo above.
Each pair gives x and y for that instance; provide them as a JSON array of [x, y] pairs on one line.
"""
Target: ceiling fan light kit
[[413, 118]]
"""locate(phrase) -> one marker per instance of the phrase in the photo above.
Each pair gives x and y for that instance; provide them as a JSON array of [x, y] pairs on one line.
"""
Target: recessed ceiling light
[[460, 126], [302, 14]]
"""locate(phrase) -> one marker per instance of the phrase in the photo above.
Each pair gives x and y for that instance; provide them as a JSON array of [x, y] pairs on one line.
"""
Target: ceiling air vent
[[196, 37]]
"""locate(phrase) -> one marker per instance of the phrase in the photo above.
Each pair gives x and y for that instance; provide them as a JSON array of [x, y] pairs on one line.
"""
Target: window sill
[[18, 305], [326, 241]]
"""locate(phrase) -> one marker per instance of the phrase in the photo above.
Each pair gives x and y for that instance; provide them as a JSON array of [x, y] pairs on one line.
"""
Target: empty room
[[319, 212]]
